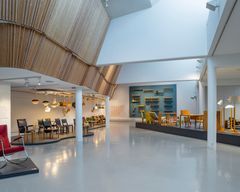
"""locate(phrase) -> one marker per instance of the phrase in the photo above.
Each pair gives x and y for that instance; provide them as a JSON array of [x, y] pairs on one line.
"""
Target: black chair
[[60, 126], [40, 126], [49, 128], [23, 127], [65, 123]]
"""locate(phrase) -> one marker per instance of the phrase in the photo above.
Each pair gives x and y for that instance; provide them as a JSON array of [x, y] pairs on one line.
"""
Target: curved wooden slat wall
[[59, 38]]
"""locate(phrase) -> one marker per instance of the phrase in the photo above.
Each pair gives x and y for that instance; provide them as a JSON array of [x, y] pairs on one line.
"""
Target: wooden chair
[[6, 149], [186, 114], [24, 129], [171, 119]]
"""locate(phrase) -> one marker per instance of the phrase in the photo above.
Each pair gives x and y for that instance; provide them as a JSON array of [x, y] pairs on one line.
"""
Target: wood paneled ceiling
[[59, 38]]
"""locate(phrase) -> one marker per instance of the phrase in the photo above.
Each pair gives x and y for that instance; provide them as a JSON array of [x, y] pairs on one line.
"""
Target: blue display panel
[[157, 98]]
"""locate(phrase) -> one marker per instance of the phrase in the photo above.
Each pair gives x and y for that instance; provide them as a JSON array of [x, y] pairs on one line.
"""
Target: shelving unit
[[168, 104], [136, 98], [155, 98]]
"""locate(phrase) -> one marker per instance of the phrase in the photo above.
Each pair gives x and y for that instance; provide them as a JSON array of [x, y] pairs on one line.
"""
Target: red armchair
[[6, 149]]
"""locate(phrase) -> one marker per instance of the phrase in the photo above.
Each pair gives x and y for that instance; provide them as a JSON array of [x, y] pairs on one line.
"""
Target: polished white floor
[[130, 159]]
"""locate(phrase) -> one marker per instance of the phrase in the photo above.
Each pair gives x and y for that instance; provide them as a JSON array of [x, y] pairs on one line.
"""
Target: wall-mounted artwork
[[156, 98]]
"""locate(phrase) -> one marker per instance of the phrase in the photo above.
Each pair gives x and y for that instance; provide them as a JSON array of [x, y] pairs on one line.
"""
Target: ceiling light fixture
[[35, 101], [39, 81], [212, 5], [229, 107], [45, 103], [47, 109]]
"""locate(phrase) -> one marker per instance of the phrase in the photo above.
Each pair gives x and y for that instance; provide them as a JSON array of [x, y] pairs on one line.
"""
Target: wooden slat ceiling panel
[[60, 38], [60, 25]]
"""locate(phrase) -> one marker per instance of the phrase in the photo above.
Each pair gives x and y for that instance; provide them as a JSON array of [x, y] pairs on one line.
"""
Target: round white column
[[212, 104], [79, 126]]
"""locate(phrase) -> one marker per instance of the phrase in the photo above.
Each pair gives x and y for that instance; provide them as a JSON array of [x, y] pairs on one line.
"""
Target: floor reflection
[[124, 158]]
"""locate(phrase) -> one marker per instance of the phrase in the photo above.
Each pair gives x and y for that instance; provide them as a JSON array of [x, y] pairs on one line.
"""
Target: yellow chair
[[154, 117], [148, 118], [171, 119], [160, 118]]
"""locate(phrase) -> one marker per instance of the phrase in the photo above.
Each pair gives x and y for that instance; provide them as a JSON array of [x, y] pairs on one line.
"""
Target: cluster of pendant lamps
[[49, 105]]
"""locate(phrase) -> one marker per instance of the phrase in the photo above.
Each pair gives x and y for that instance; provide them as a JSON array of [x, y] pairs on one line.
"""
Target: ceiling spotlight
[[212, 5], [220, 102], [106, 3]]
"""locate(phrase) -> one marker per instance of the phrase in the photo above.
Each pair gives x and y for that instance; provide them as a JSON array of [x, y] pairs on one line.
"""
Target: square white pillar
[[79, 112], [212, 104], [201, 96], [5, 107]]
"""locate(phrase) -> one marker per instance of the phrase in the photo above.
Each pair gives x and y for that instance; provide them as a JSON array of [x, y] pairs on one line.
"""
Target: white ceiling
[[230, 41], [117, 8], [226, 76]]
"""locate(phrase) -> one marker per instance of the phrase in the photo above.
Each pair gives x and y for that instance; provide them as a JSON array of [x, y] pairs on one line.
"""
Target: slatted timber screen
[[60, 38]]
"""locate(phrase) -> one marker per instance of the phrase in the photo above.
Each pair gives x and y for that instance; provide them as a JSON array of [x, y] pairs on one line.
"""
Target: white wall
[[179, 70], [5, 106], [120, 102], [22, 107], [170, 29]]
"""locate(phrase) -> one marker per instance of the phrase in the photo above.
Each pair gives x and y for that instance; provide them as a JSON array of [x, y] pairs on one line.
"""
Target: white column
[[107, 112], [201, 97], [79, 127], [5, 107], [212, 104]]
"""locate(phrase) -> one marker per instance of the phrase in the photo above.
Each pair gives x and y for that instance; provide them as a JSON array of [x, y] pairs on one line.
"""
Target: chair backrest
[[58, 122], [153, 115], [47, 123], [185, 112], [22, 125], [74, 121], [148, 117], [4, 137], [64, 122], [160, 118], [40, 123]]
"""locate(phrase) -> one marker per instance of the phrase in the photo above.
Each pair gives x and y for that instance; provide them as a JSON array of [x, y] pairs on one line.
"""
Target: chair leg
[[12, 161]]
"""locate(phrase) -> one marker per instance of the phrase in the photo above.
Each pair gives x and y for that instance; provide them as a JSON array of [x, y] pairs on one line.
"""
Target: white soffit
[[118, 8], [16, 78]]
